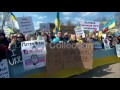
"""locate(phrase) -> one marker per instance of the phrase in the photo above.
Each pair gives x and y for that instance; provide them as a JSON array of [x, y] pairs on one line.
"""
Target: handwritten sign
[[4, 71], [14, 56], [90, 25], [25, 25], [118, 50], [33, 54]]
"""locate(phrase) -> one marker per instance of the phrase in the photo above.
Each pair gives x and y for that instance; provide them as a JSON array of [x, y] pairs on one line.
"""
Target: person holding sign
[[16, 42], [3, 45], [79, 38]]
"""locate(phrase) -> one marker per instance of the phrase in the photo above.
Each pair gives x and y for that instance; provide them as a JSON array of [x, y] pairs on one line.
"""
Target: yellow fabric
[[111, 26], [79, 40], [99, 35]]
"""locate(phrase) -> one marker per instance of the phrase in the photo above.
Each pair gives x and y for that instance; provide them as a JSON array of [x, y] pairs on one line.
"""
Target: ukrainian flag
[[112, 24], [57, 24], [13, 16], [104, 22]]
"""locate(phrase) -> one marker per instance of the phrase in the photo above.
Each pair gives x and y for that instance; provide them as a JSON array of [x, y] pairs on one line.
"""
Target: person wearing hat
[[4, 43]]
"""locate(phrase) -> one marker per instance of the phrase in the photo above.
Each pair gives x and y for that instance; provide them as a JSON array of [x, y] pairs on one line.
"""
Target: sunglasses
[[19, 37]]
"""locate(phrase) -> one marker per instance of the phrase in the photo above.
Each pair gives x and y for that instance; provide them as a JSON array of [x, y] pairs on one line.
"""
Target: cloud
[[84, 14], [42, 17], [67, 13], [37, 24], [38, 17], [66, 18]]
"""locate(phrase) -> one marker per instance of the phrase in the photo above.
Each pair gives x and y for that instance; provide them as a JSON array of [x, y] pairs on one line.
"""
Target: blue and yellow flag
[[57, 24], [13, 16]]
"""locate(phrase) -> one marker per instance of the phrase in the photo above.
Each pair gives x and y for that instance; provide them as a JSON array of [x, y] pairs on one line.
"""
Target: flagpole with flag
[[57, 24]]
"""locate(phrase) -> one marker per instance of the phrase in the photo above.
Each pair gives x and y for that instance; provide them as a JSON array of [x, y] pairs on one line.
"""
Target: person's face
[[20, 38], [11, 36], [66, 35], [1, 37], [59, 34], [74, 37]]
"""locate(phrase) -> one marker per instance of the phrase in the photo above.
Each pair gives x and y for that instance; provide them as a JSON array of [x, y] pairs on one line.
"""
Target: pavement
[[106, 71]]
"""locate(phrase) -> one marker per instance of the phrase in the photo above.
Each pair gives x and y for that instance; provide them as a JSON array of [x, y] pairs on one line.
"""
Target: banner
[[14, 56], [79, 31], [26, 25], [81, 55], [33, 54], [4, 70], [97, 45], [118, 50], [90, 25]]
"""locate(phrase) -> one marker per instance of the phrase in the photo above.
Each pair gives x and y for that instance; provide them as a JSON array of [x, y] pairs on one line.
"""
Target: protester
[[51, 36], [16, 42], [73, 39], [27, 37], [45, 37], [4, 43], [79, 38], [11, 36], [66, 37]]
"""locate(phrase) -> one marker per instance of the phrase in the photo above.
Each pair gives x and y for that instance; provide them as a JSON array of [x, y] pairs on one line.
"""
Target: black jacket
[[3, 48]]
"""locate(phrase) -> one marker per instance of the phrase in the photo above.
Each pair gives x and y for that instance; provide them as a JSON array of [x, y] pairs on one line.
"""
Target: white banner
[[118, 50], [26, 25], [106, 44], [90, 25], [4, 71], [33, 54], [79, 31], [45, 26]]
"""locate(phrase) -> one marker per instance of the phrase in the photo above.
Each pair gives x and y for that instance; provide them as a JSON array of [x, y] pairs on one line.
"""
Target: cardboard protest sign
[[4, 70], [58, 59], [79, 31], [25, 25], [118, 50], [54, 60], [86, 55], [33, 54], [90, 25], [14, 56]]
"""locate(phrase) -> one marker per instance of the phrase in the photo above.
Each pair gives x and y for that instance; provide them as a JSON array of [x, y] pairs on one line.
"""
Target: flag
[[99, 35], [57, 24], [112, 24], [104, 22], [13, 16]]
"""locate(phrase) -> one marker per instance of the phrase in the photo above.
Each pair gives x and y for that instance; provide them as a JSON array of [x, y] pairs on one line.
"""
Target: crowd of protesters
[[14, 40]]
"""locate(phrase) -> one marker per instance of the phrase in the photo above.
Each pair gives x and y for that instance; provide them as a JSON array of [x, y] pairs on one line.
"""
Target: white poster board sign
[[4, 71], [79, 31], [90, 25], [45, 26], [33, 54], [118, 50], [25, 25]]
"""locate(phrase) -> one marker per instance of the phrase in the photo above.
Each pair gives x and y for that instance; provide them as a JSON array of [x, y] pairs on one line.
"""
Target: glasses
[[19, 37]]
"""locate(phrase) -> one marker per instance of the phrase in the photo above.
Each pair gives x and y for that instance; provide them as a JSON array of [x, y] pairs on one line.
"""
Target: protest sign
[[79, 32], [45, 26], [97, 45], [4, 70], [86, 55], [64, 58], [106, 44], [14, 56], [25, 25], [90, 25], [33, 54], [118, 50]]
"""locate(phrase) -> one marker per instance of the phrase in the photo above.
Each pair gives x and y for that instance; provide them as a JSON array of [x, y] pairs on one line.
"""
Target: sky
[[75, 17]]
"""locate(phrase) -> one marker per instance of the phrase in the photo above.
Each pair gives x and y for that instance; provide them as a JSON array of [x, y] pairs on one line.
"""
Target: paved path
[[106, 71]]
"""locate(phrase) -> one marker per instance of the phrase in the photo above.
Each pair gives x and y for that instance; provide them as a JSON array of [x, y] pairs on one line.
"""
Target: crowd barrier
[[101, 57]]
